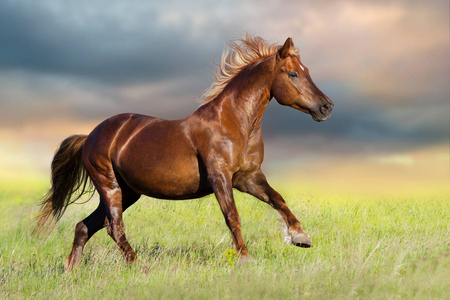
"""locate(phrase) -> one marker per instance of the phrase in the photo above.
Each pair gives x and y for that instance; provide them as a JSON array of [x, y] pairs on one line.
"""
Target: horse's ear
[[286, 49]]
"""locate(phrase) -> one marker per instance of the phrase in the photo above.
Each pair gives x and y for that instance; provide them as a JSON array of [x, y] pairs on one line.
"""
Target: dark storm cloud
[[83, 40]]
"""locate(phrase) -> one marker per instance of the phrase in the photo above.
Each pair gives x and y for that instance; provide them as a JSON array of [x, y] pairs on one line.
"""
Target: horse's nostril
[[324, 108]]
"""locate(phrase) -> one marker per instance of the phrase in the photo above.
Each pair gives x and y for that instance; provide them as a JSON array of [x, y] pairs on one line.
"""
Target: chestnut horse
[[217, 148]]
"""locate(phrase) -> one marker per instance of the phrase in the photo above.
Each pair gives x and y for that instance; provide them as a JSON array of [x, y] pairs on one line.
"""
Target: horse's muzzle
[[323, 112]]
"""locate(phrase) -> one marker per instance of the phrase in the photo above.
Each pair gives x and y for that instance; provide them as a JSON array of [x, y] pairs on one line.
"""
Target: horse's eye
[[293, 74]]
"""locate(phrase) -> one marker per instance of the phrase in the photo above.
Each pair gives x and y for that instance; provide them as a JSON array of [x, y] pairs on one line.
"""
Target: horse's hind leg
[[115, 227], [85, 229]]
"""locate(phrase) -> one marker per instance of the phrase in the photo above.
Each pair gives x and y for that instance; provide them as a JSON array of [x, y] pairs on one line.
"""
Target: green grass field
[[381, 246]]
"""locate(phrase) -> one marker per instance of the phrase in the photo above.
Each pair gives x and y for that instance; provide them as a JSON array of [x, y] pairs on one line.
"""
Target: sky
[[67, 65]]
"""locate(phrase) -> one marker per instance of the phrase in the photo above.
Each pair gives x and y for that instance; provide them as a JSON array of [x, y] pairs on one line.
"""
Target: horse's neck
[[247, 96]]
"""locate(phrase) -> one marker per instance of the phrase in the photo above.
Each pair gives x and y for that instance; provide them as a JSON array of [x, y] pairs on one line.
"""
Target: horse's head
[[294, 87]]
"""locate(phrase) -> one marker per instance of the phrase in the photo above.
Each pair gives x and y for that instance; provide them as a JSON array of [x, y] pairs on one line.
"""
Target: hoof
[[68, 266], [131, 259], [301, 240], [245, 259]]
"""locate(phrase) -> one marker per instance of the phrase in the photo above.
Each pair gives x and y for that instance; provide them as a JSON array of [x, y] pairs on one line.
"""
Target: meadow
[[377, 246]]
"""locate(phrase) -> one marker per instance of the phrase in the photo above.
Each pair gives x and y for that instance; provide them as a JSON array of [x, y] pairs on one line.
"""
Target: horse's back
[[103, 139], [153, 156]]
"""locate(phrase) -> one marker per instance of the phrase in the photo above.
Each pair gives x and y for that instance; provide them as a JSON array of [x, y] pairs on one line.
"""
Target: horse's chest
[[252, 156]]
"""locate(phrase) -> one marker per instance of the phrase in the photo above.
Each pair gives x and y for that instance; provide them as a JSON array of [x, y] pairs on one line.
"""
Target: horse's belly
[[163, 171], [174, 180]]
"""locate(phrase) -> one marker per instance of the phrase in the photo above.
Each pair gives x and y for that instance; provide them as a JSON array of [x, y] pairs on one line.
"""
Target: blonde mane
[[237, 56]]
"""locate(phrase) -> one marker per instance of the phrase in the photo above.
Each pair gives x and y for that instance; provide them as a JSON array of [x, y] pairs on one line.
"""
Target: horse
[[215, 149]]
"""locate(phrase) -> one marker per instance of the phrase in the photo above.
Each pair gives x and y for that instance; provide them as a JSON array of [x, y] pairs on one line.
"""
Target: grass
[[382, 247]]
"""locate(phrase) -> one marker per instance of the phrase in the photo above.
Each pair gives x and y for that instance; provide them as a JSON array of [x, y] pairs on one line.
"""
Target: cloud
[[391, 51], [105, 41], [27, 99], [384, 63]]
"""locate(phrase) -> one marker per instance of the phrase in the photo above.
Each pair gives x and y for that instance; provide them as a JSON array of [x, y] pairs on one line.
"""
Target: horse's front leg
[[222, 186], [256, 184]]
